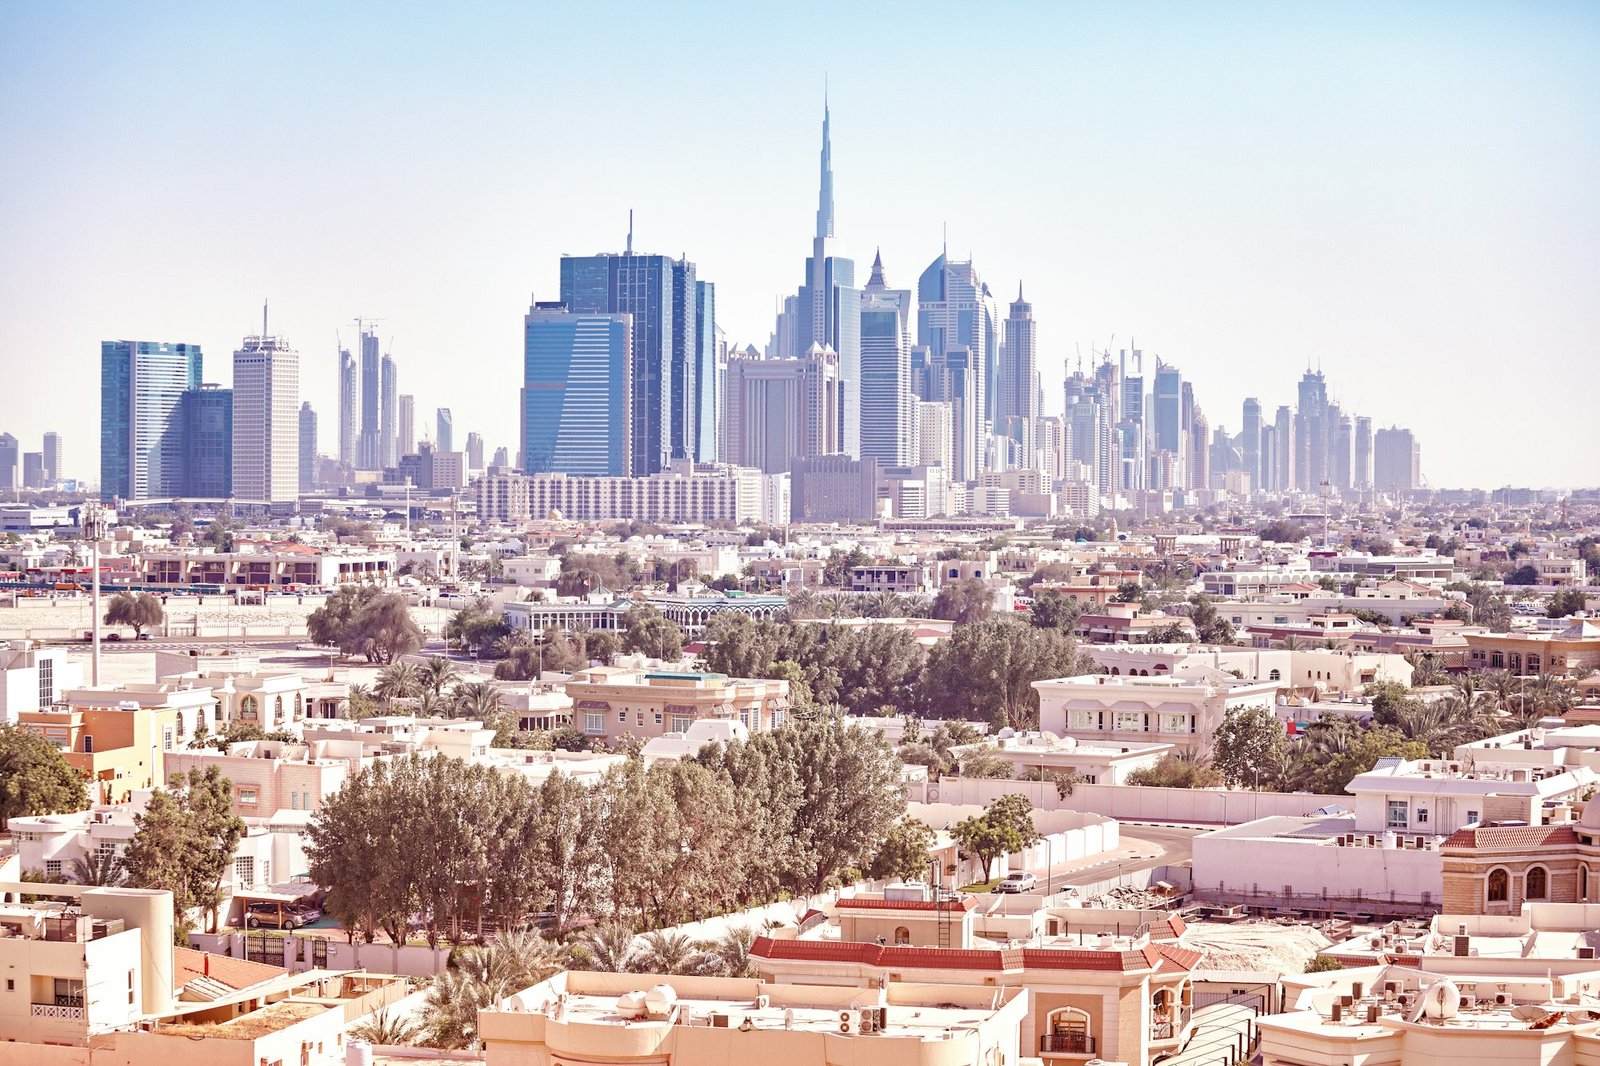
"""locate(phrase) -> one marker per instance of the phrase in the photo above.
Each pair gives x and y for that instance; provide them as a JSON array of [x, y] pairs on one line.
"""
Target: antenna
[[630, 231], [263, 318]]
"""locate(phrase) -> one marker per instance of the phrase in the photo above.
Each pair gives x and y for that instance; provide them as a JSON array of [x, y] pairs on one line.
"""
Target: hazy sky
[[1407, 193]]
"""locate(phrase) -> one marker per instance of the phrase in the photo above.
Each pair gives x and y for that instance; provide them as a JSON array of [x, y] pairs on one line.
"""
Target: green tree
[[985, 763], [1247, 739], [141, 610], [398, 681], [368, 622], [1005, 827], [1527, 574], [1176, 771], [904, 854], [1566, 602], [650, 633], [1209, 626], [1330, 775], [965, 602], [480, 978], [184, 842], [1054, 609], [437, 674], [988, 669], [1128, 592], [35, 777]]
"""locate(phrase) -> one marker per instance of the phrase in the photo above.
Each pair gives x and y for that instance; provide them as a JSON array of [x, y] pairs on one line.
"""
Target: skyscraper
[[1311, 431], [1283, 443], [308, 447], [643, 287], [1397, 461], [141, 434], [349, 407], [10, 456], [502, 458], [369, 446], [1017, 390], [208, 443], [827, 309], [1363, 454], [444, 437], [887, 412], [577, 392], [708, 376], [1251, 443], [1341, 444], [388, 413], [683, 407], [1168, 430], [33, 470], [266, 419], [52, 458], [782, 409], [956, 311], [406, 426], [474, 451]]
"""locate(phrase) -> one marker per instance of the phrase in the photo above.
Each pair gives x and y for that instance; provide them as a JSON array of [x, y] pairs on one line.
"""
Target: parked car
[[294, 915], [113, 636], [1017, 881]]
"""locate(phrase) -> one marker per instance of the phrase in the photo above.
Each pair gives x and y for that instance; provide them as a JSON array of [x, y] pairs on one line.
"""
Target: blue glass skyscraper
[[708, 379], [577, 385], [141, 424]]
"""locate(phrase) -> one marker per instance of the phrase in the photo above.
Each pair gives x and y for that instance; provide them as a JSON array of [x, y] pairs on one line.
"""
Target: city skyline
[[1345, 243]]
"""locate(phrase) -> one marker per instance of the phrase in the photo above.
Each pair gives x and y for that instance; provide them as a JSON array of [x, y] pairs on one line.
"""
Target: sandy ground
[[215, 616], [1255, 946]]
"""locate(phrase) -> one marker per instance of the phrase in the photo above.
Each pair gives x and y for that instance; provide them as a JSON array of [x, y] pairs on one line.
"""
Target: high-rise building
[[952, 378], [577, 391], [647, 288], [308, 447], [887, 412], [1169, 434], [1396, 460], [1311, 432], [141, 435], [406, 427], [1363, 454], [782, 409], [208, 443], [1198, 458], [1250, 440], [501, 460], [833, 488], [1283, 443], [709, 376], [10, 457], [1017, 389], [444, 436], [349, 407], [369, 447], [474, 451], [388, 413], [52, 458], [1341, 446], [33, 470], [266, 419], [956, 311], [683, 406]]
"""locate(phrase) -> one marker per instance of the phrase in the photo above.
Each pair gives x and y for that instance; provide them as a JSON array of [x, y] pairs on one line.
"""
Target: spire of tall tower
[[825, 192], [876, 281]]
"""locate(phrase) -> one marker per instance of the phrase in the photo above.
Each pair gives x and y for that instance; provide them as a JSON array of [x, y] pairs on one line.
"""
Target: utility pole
[[92, 518]]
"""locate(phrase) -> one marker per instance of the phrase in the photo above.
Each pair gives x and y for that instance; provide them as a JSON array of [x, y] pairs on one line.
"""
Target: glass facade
[[575, 397], [142, 384], [208, 443]]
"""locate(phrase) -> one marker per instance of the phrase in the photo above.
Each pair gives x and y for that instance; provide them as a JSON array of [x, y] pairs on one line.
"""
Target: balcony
[[1066, 1044], [64, 1009]]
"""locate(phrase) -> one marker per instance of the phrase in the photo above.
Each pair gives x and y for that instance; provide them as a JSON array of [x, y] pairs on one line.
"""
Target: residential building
[[406, 427], [680, 494], [1251, 442], [1017, 387], [308, 447], [32, 677], [1363, 454], [1574, 650], [266, 430], [888, 412], [388, 412], [349, 407], [611, 702], [474, 451], [369, 444], [1166, 710], [577, 392], [207, 414], [709, 378], [262, 566], [117, 740], [141, 432]]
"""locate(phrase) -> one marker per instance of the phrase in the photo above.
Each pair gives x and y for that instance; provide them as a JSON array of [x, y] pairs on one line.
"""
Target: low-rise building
[[33, 677], [611, 702], [1183, 711], [1575, 650], [1034, 753]]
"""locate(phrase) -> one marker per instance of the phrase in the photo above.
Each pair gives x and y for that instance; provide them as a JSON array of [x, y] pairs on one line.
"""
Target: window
[[69, 993], [88, 744], [1499, 886], [249, 797], [249, 709], [52, 868], [622, 717], [166, 739], [680, 723], [594, 722], [244, 871], [1472, 817], [902, 935], [1174, 723], [658, 718], [1422, 816], [1128, 721], [1275, 675], [1399, 811], [1081, 719], [1537, 885]]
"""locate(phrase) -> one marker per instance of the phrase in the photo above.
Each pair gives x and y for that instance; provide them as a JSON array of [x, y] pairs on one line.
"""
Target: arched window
[[1499, 886], [299, 706], [1583, 884], [1115, 670], [1275, 675], [1537, 885], [248, 709], [1068, 1032], [902, 935], [277, 706]]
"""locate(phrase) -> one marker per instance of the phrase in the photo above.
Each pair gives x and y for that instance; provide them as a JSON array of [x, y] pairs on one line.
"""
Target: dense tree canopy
[[35, 777], [141, 610], [185, 840], [364, 620]]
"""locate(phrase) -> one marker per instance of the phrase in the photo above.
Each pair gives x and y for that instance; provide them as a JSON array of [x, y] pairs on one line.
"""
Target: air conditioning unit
[[1502, 999], [849, 1022], [719, 1021], [763, 1002], [1468, 1002], [869, 1021], [1586, 953]]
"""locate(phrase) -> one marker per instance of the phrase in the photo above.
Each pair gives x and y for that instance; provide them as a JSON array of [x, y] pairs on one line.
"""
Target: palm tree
[[359, 703], [507, 646], [387, 1030], [608, 948], [398, 681], [480, 978], [732, 950], [438, 674], [99, 868], [674, 953], [477, 699], [430, 704]]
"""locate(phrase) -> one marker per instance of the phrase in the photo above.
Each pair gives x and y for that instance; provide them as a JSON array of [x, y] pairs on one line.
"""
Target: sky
[[1403, 193]]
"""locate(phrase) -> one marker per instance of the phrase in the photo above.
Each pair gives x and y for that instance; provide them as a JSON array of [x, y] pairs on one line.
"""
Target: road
[[1144, 847]]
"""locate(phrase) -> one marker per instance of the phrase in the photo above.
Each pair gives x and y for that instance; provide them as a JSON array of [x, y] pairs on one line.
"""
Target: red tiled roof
[[873, 903], [1511, 837], [187, 964], [1178, 958], [1177, 925]]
